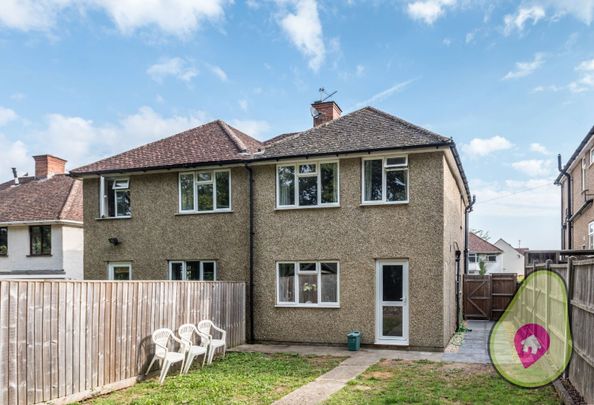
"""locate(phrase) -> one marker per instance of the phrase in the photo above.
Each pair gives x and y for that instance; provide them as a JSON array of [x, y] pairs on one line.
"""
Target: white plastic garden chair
[[206, 328], [186, 333], [162, 353]]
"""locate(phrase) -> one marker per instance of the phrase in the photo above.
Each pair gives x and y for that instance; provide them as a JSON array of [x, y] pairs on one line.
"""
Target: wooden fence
[[486, 297], [579, 278], [69, 339]]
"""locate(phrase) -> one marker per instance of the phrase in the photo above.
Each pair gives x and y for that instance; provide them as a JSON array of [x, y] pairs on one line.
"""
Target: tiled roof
[[56, 198], [362, 130], [212, 142], [477, 244]]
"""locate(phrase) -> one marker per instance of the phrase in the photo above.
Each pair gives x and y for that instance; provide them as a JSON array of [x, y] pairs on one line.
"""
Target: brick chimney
[[48, 165], [326, 111]]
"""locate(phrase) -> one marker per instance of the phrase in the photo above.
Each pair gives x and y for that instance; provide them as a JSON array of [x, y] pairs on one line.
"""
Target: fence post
[[569, 282]]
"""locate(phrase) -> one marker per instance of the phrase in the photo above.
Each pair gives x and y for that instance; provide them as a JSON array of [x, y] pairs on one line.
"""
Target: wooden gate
[[486, 297]]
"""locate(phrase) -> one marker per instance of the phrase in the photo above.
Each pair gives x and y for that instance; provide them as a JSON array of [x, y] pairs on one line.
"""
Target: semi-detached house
[[356, 223]]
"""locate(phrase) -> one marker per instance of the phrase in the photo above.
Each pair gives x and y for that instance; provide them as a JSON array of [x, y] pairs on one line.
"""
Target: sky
[[512, 82]]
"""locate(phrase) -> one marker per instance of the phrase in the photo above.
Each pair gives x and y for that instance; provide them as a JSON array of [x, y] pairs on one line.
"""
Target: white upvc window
[[591, 156], [385, 180], [591, 235], [308, 284], [203, 270], [584, 170], [307, 184], [114, 199], [472, 258], [205, 191], [119, 271], [492, 258]]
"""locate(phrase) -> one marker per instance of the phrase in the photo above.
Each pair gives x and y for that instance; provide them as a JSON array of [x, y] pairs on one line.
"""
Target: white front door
[[391, 317]]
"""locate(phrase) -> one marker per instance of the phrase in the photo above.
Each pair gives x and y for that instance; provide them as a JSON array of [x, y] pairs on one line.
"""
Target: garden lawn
[[240, 378], [424, 382]]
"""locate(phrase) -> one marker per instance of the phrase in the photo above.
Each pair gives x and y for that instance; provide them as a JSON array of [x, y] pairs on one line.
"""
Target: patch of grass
[[240, 378], [390, 382]]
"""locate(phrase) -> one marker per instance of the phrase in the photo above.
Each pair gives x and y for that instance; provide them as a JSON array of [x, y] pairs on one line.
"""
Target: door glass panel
[[392, 321], [392, 283]]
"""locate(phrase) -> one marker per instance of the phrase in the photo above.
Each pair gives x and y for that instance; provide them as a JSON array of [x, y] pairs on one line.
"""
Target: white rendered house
[[41, 227], [512, 258], [480, 250]]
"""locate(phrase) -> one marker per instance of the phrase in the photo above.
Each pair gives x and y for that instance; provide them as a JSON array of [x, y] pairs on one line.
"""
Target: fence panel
[[61, 341], [579, 277]]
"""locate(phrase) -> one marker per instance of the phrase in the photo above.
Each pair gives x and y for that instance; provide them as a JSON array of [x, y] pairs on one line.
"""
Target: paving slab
[[475, 346]]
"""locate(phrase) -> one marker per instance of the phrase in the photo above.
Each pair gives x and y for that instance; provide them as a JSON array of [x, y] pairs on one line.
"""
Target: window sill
[[307, 207], [204, 212], [111, 218], [45, 255], [307, 306], [370, 203]]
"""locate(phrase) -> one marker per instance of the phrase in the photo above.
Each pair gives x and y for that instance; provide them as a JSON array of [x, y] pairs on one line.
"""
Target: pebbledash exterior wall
[[426, 231], [156, 233], [357, 236]]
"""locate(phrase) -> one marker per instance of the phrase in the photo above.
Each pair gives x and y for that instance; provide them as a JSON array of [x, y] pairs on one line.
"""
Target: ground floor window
[[120, 271], [40, 240], [205, 270], [308, 283], [3, 241]]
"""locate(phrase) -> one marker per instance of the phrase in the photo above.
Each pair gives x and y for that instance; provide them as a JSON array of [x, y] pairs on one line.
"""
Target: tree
[[482, 267], [481, 234]]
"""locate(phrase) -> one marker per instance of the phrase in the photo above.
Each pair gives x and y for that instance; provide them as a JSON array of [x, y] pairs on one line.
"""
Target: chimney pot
[[48, 165], [328, 111]]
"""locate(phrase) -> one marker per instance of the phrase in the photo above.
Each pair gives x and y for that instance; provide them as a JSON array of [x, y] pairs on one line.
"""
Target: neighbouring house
[[576, 179], [512, 259], [356, 223], [481, 251], [41, 223]]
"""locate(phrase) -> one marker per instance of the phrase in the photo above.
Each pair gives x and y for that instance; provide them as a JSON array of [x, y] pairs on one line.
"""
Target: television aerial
[[315, 113]]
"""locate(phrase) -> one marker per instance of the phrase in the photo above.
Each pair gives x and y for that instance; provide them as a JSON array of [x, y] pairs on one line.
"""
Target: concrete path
[[475, 347], [327, 384]]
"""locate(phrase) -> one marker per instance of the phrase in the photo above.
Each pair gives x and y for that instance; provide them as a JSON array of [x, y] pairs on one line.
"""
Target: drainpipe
[[568, 222], [251, 337], [467, 211], [458, 254]]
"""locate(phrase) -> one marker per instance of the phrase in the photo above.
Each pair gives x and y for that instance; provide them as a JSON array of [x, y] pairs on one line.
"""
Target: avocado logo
[[530, 345]]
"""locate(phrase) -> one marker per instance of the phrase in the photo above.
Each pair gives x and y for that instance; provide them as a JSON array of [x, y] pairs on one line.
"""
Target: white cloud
[[13, 154], [587, 65], [254, 128], [428, 11], [517, 21], [176, 67], [524, 69], [243, 104], [447, 41], [176, 17], [538, 148], [581, 9], [485, 146], [534, 167], [586, 80], [305, 30], [219, 72], [360, 70], [382, 95], [470, 37], [81, 141], [7, 115]]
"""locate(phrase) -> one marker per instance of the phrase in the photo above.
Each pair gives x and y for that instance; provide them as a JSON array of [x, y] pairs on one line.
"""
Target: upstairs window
[[3, 241], [590, 236], [193, 270], [307, 184], [385, 180], [115, 201], [584, 169], [205, 191], [41, 240]]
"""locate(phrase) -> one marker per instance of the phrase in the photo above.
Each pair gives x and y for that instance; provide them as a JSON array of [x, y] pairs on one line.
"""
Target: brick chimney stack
[[326, 111], [48, 165]]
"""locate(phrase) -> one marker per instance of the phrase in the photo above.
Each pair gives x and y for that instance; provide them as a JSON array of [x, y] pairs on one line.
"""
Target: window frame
[[318, 173], [195, 183], [591, 235], [489, 258], [583, 174], [104, 197], [184, 269], [591, 156], [385, 168], [112, 265], [318, 272], [472, 256], [31, 254], [5, 228]]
